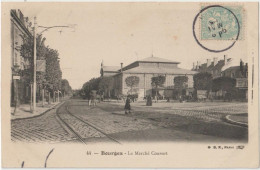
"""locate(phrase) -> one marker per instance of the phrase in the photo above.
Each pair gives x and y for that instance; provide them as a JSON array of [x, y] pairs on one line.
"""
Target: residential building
[[20, 28], [227, 68]]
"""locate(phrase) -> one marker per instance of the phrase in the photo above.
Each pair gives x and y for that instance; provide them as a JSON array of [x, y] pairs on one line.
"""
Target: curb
[[23, 118], [227, 118]]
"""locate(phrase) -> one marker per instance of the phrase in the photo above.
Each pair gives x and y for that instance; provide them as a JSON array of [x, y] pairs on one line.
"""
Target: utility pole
[[35, 58], [43, 96], [34, 65]]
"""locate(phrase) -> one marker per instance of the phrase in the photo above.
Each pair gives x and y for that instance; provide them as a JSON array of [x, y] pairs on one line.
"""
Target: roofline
[[110, 71], [150, 62], [168, 62], [155, 73], [13, 14]]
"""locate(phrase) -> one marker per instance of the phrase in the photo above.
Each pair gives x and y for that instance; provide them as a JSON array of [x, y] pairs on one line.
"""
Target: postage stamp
[[221, 22]]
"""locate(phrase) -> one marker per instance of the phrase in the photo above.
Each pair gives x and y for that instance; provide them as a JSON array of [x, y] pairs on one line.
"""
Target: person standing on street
[[149, 101], [127, 105]]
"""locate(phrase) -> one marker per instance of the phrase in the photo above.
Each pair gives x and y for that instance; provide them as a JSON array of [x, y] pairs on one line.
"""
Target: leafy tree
[[157, 81], [224, 83], [92, 84], [202, 81], [105, 85], [53, 71], [26, 52], [180, 84], [65, 87], [131, 82], [51, 78]]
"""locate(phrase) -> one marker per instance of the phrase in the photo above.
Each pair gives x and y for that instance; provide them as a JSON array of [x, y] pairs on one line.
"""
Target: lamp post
[[34, 56]]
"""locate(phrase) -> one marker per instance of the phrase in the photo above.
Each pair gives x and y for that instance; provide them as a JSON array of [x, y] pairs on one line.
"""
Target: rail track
[[85, 122]]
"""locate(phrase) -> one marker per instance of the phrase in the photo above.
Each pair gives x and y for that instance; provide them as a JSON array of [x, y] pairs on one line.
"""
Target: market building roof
[[153, 59], [158, 70]]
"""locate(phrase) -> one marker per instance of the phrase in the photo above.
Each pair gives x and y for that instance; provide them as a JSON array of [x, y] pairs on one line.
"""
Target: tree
[[224, 83], [92, 84], [65, 87], [131, 82], [157, 81], [53, 71], [180, 83], [51, 78], [202, 81], [26, 52], [105, 85]]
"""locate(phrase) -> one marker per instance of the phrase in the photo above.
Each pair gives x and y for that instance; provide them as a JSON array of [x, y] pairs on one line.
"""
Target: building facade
[[145, 70], [20, 28], [227, 68]]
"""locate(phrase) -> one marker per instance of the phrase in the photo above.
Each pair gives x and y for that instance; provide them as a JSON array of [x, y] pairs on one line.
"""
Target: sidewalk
[[24, 110], [239, 119]]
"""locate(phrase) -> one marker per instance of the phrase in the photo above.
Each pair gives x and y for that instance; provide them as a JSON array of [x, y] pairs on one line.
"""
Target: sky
[[121, 32]]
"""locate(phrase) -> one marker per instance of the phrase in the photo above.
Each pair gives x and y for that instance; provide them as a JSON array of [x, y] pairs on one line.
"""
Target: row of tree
[[51, 79], [205, 81], [202, 81], [104, 85]]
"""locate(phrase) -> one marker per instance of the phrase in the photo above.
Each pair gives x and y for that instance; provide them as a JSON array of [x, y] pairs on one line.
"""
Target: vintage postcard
[[130, 85]]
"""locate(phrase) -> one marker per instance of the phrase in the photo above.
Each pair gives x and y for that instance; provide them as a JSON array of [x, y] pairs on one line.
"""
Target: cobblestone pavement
[[171, 121], [204, 118], [82, 129], [44, 129], [108, 122], [202, 111]]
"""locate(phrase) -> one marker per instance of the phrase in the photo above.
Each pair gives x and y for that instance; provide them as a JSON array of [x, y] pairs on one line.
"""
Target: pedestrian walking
[[127, 105]]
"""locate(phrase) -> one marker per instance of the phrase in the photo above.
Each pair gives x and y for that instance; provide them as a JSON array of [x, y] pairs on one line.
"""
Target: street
[[75, 121]]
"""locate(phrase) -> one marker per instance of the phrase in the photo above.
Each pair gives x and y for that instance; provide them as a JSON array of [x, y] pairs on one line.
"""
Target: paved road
[[107, 122]]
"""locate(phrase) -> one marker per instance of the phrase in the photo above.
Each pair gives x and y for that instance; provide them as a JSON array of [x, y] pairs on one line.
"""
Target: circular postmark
[[217, 23]]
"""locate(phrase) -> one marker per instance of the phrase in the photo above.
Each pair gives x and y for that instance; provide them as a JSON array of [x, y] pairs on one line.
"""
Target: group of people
[[128, 105]]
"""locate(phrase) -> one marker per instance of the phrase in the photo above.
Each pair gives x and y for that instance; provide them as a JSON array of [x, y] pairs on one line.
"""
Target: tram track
[[85, 122]]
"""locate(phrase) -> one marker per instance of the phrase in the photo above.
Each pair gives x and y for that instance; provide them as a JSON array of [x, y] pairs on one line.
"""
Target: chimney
[[121, 67], [193, 66], [225, 59], [215, 60], [208, 62]]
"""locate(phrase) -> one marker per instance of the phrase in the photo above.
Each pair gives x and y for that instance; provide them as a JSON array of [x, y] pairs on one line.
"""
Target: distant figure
[[127, 105], [180, 99], [93, 99], [89, 100], [102, 97], [156, 99], [149, 101]]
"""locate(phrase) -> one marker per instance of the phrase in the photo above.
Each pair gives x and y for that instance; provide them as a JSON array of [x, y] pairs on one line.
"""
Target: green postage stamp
[[221, 22]]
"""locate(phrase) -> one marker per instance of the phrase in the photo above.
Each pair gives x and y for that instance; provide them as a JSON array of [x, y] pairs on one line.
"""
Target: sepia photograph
[[127, 74]]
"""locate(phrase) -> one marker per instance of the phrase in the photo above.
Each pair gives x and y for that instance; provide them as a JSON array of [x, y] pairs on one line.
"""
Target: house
[[227, 68], [20, 28]]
